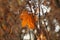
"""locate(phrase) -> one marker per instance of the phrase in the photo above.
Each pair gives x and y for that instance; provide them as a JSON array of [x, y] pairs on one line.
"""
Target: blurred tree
[[45, 27]]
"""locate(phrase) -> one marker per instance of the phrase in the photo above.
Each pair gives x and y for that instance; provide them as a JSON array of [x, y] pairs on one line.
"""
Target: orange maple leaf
[[28, 19]]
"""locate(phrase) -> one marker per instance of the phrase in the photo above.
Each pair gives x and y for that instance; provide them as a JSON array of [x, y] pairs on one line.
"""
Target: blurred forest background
[[11, 19]]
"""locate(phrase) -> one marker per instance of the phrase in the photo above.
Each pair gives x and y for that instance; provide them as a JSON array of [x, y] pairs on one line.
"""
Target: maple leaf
[[27, 19]]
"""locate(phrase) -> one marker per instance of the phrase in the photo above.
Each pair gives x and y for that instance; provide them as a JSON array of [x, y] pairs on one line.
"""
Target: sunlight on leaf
[[27, 19]]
